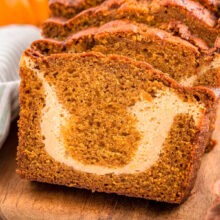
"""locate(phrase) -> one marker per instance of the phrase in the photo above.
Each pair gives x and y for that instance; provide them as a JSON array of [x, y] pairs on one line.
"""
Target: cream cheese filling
[[155, 119], [189, 81]]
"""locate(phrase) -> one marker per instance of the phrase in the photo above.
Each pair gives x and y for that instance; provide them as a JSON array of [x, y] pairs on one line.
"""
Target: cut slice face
[[180, 59], [153, 13], [110, 124]]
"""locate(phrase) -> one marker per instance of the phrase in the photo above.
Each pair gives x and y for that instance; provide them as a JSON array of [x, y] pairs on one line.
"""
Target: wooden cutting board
[[20, 199]]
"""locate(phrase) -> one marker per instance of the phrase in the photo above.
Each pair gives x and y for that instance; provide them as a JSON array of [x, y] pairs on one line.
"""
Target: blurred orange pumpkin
[[23, 11]]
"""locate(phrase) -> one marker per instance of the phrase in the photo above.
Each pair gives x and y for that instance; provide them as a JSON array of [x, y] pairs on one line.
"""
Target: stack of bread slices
[[120, 96]]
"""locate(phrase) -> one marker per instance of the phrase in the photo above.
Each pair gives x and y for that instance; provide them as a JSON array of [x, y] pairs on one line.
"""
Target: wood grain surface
[[20, 199]]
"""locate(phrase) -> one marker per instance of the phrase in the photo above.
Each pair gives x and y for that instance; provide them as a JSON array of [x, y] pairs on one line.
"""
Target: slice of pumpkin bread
[[180, 59], [110, 124], [201, 22]]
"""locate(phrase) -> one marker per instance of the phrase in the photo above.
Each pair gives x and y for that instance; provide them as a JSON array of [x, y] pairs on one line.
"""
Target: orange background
[[23, 11]]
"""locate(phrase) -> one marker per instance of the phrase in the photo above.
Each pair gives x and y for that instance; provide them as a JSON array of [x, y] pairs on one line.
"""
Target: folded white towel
[[14, 40]]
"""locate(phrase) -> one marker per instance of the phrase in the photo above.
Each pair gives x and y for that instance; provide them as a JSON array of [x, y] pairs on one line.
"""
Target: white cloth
[[14, 39]]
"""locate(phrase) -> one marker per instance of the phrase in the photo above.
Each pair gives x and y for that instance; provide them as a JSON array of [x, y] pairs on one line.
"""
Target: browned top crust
[[153, 13]]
